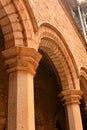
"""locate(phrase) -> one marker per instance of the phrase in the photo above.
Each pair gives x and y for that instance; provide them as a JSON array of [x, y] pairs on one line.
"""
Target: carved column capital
[[21, 58], [70, 96]]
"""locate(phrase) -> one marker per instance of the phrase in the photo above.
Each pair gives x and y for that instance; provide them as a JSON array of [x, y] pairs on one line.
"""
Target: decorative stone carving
[[70, 99], [21, 58], [70, 96]]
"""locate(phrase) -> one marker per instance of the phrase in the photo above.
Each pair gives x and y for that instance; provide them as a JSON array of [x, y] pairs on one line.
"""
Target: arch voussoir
[[16, 23], [10, 25], [60, 55]]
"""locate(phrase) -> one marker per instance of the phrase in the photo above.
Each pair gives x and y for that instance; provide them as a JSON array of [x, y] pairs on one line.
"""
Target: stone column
[[21, 63], [70, 99]]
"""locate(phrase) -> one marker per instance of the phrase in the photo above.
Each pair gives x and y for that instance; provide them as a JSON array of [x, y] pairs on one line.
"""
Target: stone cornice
[[21, 58], [70, 96]]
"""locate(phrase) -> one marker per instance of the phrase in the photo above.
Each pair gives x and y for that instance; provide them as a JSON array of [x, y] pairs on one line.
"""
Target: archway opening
[[58, 126], [3, 86], [84, 124], [49, 112], [83, 105]]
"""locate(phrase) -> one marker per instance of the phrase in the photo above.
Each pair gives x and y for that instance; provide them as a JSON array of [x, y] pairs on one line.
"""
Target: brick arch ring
[[53, 44], [83, 78], [15, 22]]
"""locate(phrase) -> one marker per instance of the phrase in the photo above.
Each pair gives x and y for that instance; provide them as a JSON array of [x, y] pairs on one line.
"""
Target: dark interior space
[[50, 114]]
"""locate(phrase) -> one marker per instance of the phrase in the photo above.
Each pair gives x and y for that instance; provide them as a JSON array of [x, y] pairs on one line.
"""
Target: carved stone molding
[[70, 96], [21, 58]]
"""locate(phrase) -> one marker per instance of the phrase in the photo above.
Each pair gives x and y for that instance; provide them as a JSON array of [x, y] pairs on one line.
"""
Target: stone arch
[[31, 14], [83, 78], [15, 21], [28, 21], [8, 19], [83, 72], [52, 42]]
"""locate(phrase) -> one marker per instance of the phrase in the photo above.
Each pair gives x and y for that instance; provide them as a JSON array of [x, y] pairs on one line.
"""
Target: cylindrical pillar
[[21, 65]]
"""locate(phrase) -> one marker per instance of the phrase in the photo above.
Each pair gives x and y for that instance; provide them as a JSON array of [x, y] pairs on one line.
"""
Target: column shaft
[[74, 117], [18, 101], [31, 112]]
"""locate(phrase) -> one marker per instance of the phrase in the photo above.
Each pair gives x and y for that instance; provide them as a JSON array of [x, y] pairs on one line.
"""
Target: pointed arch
[[52, 42], [83, 79], [28, 21], [34, 23], [10, 24], [83, 72], [17, 22]]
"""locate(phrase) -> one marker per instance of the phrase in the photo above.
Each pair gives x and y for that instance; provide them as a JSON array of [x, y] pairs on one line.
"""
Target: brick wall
[[54, 13]]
